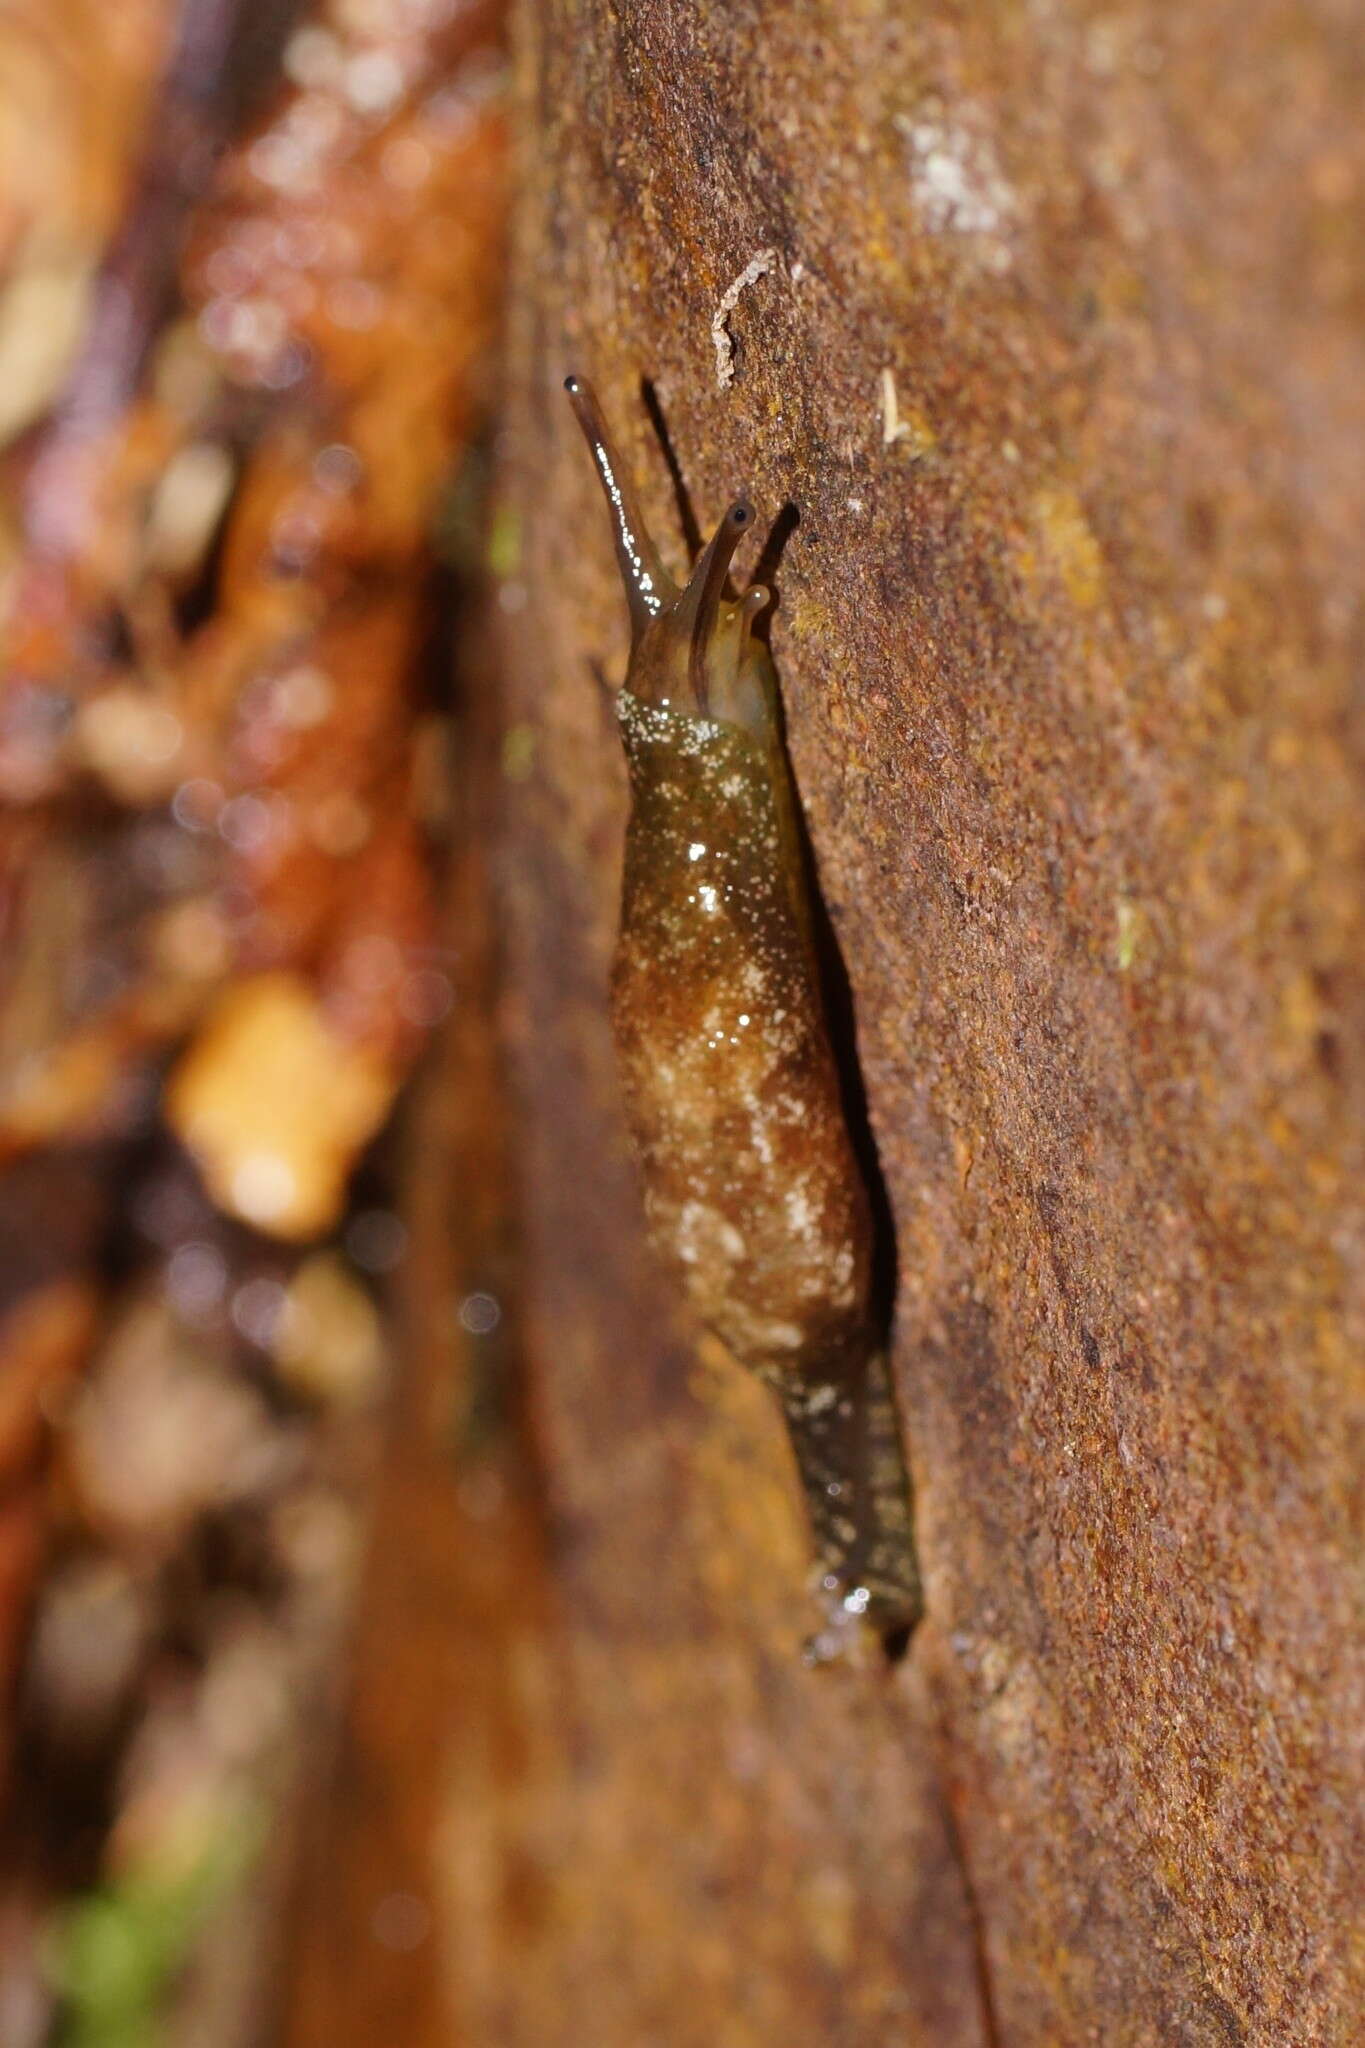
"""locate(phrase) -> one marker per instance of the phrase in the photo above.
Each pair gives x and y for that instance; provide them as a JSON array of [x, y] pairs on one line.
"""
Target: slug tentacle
[[697, 611], [649, 587], [752, 1183], [755, 599]]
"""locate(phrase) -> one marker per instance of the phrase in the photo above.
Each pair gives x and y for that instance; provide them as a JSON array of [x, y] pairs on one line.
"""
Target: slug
[[753, 1190]]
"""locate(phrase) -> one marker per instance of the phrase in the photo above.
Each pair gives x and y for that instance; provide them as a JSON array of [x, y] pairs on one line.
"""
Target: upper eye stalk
[[689, 646]]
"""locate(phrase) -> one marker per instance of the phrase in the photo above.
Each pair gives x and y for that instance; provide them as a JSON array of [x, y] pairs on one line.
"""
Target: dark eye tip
[[572, 385], [740, 513]]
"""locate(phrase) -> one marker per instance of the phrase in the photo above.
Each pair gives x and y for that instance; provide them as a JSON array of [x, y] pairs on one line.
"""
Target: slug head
[[691, 649]]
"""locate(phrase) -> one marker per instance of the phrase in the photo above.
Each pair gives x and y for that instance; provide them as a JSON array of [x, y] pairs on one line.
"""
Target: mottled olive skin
[[751, 1184], [753, 1190]]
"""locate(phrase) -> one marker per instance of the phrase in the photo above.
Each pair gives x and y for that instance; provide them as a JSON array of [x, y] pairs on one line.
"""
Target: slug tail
[[649, 587], [858, 1496]]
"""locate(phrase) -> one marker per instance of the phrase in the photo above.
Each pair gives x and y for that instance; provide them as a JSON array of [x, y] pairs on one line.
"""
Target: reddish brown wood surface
[[1070, 643]]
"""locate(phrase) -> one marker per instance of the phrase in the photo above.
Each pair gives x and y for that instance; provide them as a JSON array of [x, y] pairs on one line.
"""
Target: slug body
[[752, 1186]]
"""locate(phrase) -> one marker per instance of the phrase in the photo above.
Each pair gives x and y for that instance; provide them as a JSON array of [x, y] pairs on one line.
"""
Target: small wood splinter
[[752, 1185]]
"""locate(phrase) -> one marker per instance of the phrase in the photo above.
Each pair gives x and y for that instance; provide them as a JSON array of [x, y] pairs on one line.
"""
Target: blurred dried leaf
[[330, 1346], [274, 1105], [42, 317], [162, 1432], [76, 83], [43, 1343]]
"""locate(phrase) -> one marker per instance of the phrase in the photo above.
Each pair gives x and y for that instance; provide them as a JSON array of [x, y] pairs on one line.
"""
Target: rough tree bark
[[1055, 348]]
